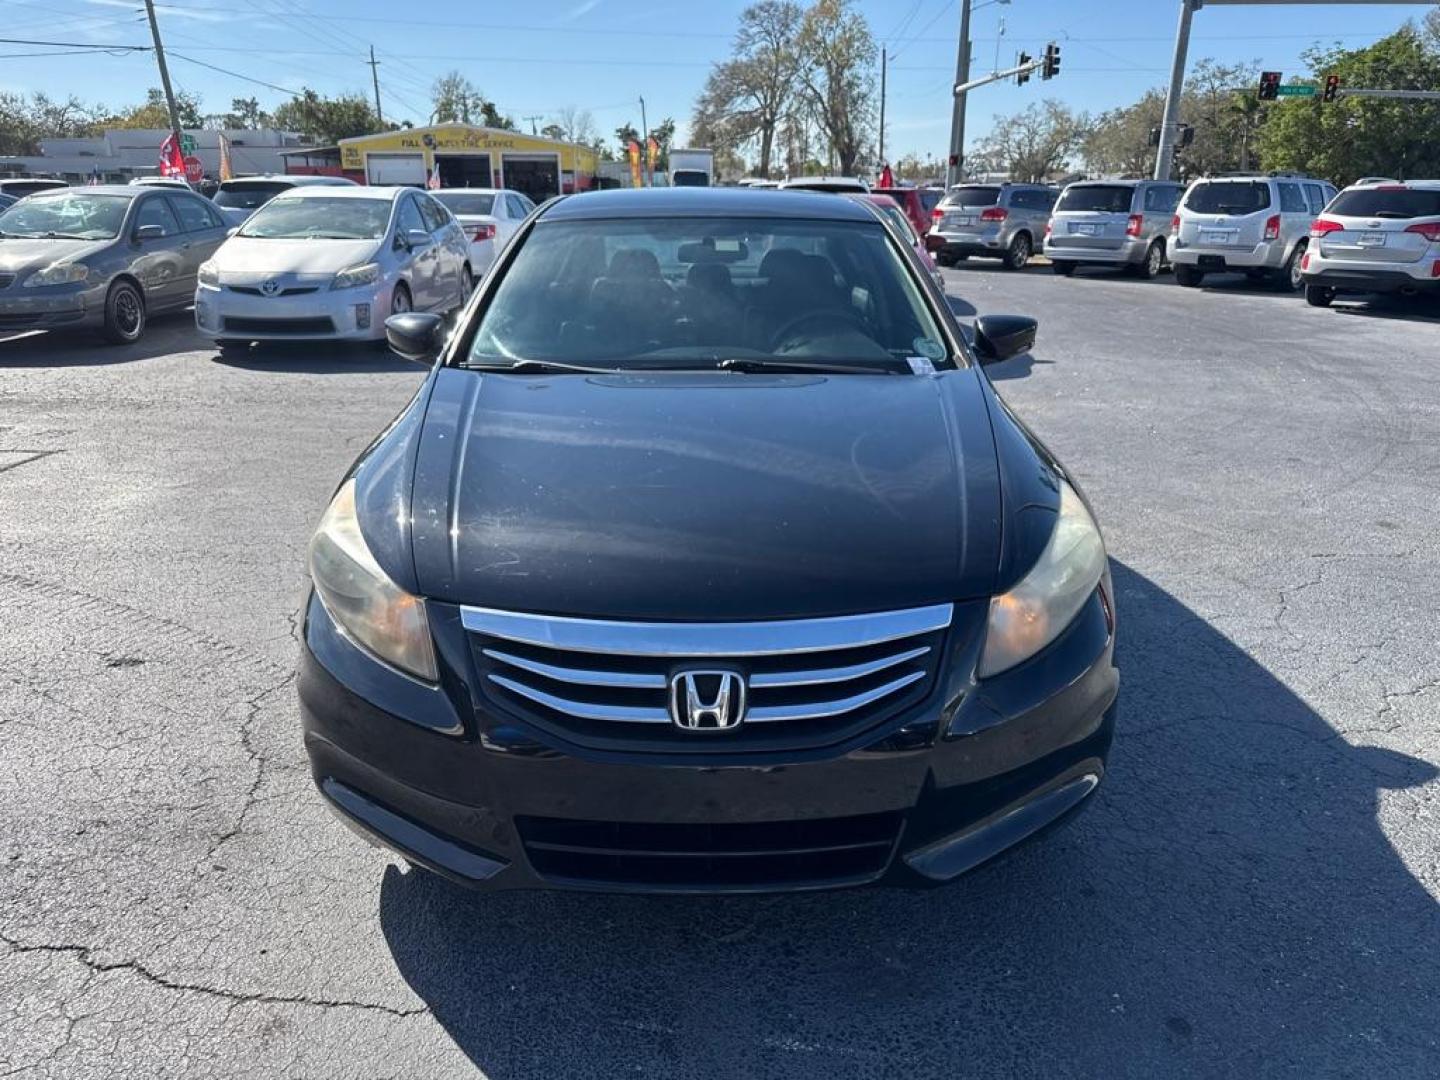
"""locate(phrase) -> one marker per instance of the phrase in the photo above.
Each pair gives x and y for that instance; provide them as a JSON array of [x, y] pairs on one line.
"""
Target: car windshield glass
[[897, 218], [81, 216], [690, 178], [1229, 197], [972, 196], [696, 292], [465, 203], [248, 196], [1388, 203], [320, 219], [1106, 198]]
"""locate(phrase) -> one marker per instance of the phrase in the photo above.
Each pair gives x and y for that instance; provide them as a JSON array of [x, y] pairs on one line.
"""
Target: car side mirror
[[999, 337], [416, 238], [231, 231], [148, 232], [415, 335]]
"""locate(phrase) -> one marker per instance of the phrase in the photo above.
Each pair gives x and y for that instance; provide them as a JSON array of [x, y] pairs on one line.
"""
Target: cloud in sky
[[579, 10]]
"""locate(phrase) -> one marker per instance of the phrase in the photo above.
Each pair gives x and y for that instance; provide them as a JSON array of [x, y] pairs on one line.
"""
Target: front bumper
[[339, 315], [1130, 252], [483, 801], [1268, 255], [50, 308], [1348, 275]]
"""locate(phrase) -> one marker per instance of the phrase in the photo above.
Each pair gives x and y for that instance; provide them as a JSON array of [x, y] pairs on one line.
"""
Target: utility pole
[[532, 120], [645, 145], [164, 73], [956, 163], [375, 77], [883, 63], [1169, 127]]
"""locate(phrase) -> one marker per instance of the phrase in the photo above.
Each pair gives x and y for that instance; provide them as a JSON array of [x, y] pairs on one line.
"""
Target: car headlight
[[368, 274], [209, 274], [65, 273], [363, 601], [1032, 614]]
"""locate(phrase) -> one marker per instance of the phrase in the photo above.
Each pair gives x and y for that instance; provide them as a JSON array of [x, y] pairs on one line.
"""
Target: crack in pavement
[[257, 758], [85, 955]]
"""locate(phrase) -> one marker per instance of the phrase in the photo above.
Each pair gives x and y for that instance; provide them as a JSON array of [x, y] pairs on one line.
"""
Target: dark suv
[[706, 558]]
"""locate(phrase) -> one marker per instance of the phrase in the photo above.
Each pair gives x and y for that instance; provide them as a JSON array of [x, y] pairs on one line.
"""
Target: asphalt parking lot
[[1254, 892]]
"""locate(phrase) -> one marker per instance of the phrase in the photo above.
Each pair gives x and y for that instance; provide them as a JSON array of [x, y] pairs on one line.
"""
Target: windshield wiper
[[745, 364], [530, 367]]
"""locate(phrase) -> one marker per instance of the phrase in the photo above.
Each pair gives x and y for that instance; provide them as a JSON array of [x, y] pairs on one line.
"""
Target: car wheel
[[1154, 261], [124, 314], [1018, 253], [467, 284], [1188, 276], [1319, 295], [1064, 269], [400, 301], [1292, 279]]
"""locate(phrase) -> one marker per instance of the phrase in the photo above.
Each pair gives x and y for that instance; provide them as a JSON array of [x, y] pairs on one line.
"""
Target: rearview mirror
[[415, 335], [999, 337], [148, 232]]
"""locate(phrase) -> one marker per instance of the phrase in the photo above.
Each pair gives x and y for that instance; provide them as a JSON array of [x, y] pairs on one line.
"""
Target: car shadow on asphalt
[[1017, 367], [1405, 309], [1228, 906], [314, 358], [164, 334]]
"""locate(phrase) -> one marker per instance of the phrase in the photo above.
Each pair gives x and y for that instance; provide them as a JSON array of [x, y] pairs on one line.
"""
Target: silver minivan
[[1258, 225], [1001, 221], [1112, 223]]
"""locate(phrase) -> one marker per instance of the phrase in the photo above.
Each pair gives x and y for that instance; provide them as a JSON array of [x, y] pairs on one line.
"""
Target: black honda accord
[[707, 559]]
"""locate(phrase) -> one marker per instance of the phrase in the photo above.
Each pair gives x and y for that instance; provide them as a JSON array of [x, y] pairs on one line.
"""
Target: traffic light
[[1187, 135], [1051, 67], [1269, 85], [1155, 136], [1022, 77], [1332, 87]]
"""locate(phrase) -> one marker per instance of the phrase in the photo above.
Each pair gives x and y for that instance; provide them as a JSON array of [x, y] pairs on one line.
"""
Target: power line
[[236, 74], [76, 45]]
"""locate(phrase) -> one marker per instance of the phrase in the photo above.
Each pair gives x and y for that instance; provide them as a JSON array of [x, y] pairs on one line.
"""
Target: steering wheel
[[827, 314]]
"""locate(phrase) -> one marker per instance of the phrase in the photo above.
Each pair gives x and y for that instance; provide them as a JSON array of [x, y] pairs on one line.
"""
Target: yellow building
[[466, 156]]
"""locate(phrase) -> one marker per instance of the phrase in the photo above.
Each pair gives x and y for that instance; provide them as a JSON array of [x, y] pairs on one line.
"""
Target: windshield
[[897, 218], [248, 196], [1388, 202], [465, 203], [1229, 197], [70, 216], [693, 293], [690, 178], [1109, 199], [972, 196], [320, 219]]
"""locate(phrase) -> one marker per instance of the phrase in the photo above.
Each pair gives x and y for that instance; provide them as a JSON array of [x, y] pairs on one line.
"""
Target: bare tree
[[1035, 144], [837, 74], [746, 97], [575, 124]]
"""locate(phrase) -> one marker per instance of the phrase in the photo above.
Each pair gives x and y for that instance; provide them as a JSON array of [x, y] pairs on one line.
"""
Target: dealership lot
[[1254, 890]]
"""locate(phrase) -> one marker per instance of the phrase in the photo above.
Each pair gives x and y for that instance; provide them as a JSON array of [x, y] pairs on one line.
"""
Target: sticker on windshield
[[928, 348], [920, 365]]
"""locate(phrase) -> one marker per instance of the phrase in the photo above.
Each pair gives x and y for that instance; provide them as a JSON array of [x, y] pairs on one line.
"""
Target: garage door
[[395, 169]]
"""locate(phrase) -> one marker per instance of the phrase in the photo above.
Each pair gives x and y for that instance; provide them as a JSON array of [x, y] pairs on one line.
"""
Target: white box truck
[[692, 168]]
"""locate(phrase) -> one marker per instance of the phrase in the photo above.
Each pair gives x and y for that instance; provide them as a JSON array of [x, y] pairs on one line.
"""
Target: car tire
[[400, 300], [1017, 255], [1064, 269], [124, 314], [467, 284], [1154, 261], [1189, 276], [1290, 278], [1319, 295]]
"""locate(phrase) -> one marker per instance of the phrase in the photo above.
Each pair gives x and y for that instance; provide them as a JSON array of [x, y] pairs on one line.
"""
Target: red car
[[897, 217], [912, 201]]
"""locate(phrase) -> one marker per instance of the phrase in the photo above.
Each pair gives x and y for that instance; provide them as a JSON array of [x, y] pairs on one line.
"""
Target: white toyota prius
[[333, 263]]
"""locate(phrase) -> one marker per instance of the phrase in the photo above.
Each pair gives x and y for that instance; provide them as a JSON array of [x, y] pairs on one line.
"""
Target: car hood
[[18, 255], [246, 255], [692, 496]]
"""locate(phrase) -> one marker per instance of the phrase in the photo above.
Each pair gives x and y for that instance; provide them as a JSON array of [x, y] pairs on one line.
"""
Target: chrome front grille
[[608, 685]]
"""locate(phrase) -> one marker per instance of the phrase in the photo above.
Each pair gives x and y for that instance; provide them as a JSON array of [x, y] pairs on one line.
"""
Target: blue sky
[[536, 58]]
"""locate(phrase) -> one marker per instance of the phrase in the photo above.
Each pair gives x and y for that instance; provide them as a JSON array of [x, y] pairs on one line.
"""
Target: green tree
[[245, 115], [837, 77], [24, 121], [553, 131], [154, 114], [1355, 137], [327, 120], [746, 97], [457, 100]]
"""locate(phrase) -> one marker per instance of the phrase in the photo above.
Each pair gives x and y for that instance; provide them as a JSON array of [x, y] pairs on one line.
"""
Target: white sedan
[[333, 262], [489, 216]]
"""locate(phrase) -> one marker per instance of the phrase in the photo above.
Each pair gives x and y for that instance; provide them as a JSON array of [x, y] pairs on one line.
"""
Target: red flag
[[172, 158]]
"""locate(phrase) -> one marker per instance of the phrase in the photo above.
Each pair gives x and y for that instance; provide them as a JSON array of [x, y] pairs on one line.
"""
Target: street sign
[[187, 144], [194, 169], [1300, 90]]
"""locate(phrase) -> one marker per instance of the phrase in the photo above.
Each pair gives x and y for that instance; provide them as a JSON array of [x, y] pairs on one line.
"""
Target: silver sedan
[[333, 263]]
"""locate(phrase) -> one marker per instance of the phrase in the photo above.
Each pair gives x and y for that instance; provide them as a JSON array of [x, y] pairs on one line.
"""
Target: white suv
[[1256, 225], [1379, 237]]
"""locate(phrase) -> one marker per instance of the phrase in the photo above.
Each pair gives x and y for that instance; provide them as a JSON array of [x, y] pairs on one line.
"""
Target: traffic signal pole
[[1169, 126]]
